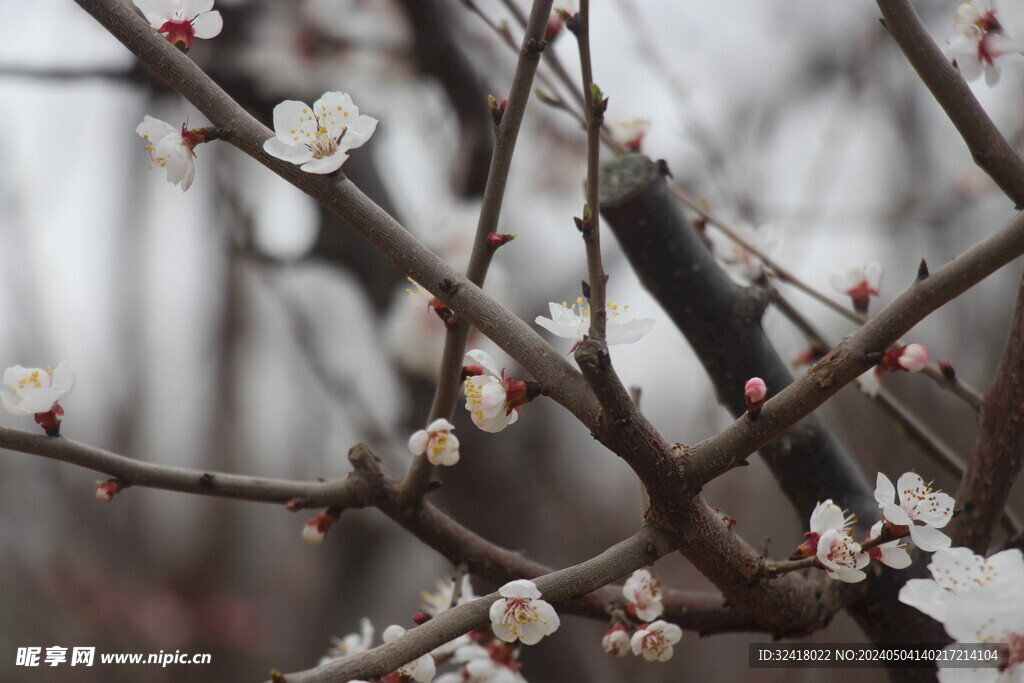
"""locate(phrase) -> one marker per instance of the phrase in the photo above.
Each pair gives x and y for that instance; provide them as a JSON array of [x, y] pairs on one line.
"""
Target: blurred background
[[239, 328]]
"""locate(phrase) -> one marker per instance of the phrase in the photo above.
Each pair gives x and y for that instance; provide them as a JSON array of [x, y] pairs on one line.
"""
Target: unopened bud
[[497, 239], [315, 530], [754, 393], [912, 358], [420, 618], [106, 490]]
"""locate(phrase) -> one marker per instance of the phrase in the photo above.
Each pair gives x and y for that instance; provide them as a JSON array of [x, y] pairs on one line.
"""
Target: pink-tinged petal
[[418, 442], [520, 588], [651, 612], [326, 165], [154, 129], [484, 359], [293, 154], [501, 630], [894, 556], [847, 574], [928, 539], [896, 515], [439, 425], [208, 25]]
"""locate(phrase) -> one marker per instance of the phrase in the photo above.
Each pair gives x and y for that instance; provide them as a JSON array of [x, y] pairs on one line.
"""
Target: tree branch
[[998, 451], [987, 145], [449, 376], [566, 584], [722, 322]]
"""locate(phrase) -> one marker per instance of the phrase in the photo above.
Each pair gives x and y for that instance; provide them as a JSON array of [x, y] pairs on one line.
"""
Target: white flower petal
[[294, 154], [928, 538], [418, 442], [328, 164], [483, 358], [208, 25]]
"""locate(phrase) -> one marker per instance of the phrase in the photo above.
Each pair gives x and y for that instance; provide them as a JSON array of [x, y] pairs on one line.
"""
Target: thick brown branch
[[998, 450], [722, 322]]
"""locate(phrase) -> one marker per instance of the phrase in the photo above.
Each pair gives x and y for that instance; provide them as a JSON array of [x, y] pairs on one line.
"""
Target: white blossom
[[616, 640], [31, 391], [521, 614], [573, 322], [987, 616], [860, 283], [918, 503], [437, 441], [182, 20], [170, 148], [492, 399], [842, 556], [320, 137], [353, 643], [485, 665], [422, 669], [643, 595], [957, 571], [655, 641], [987, 32], [890, 553]]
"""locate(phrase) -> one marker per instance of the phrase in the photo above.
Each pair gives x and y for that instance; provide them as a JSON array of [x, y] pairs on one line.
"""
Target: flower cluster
[[910, 508], [654, 638], [977, 600]]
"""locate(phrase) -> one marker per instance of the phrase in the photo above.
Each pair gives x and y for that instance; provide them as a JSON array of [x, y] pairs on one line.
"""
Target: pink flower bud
[[912, 358], [106, 490], [754, 393], [420, 618]]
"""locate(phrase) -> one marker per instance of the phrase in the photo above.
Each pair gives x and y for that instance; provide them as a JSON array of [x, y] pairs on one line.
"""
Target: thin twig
[[449, 376], [593, 113]]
